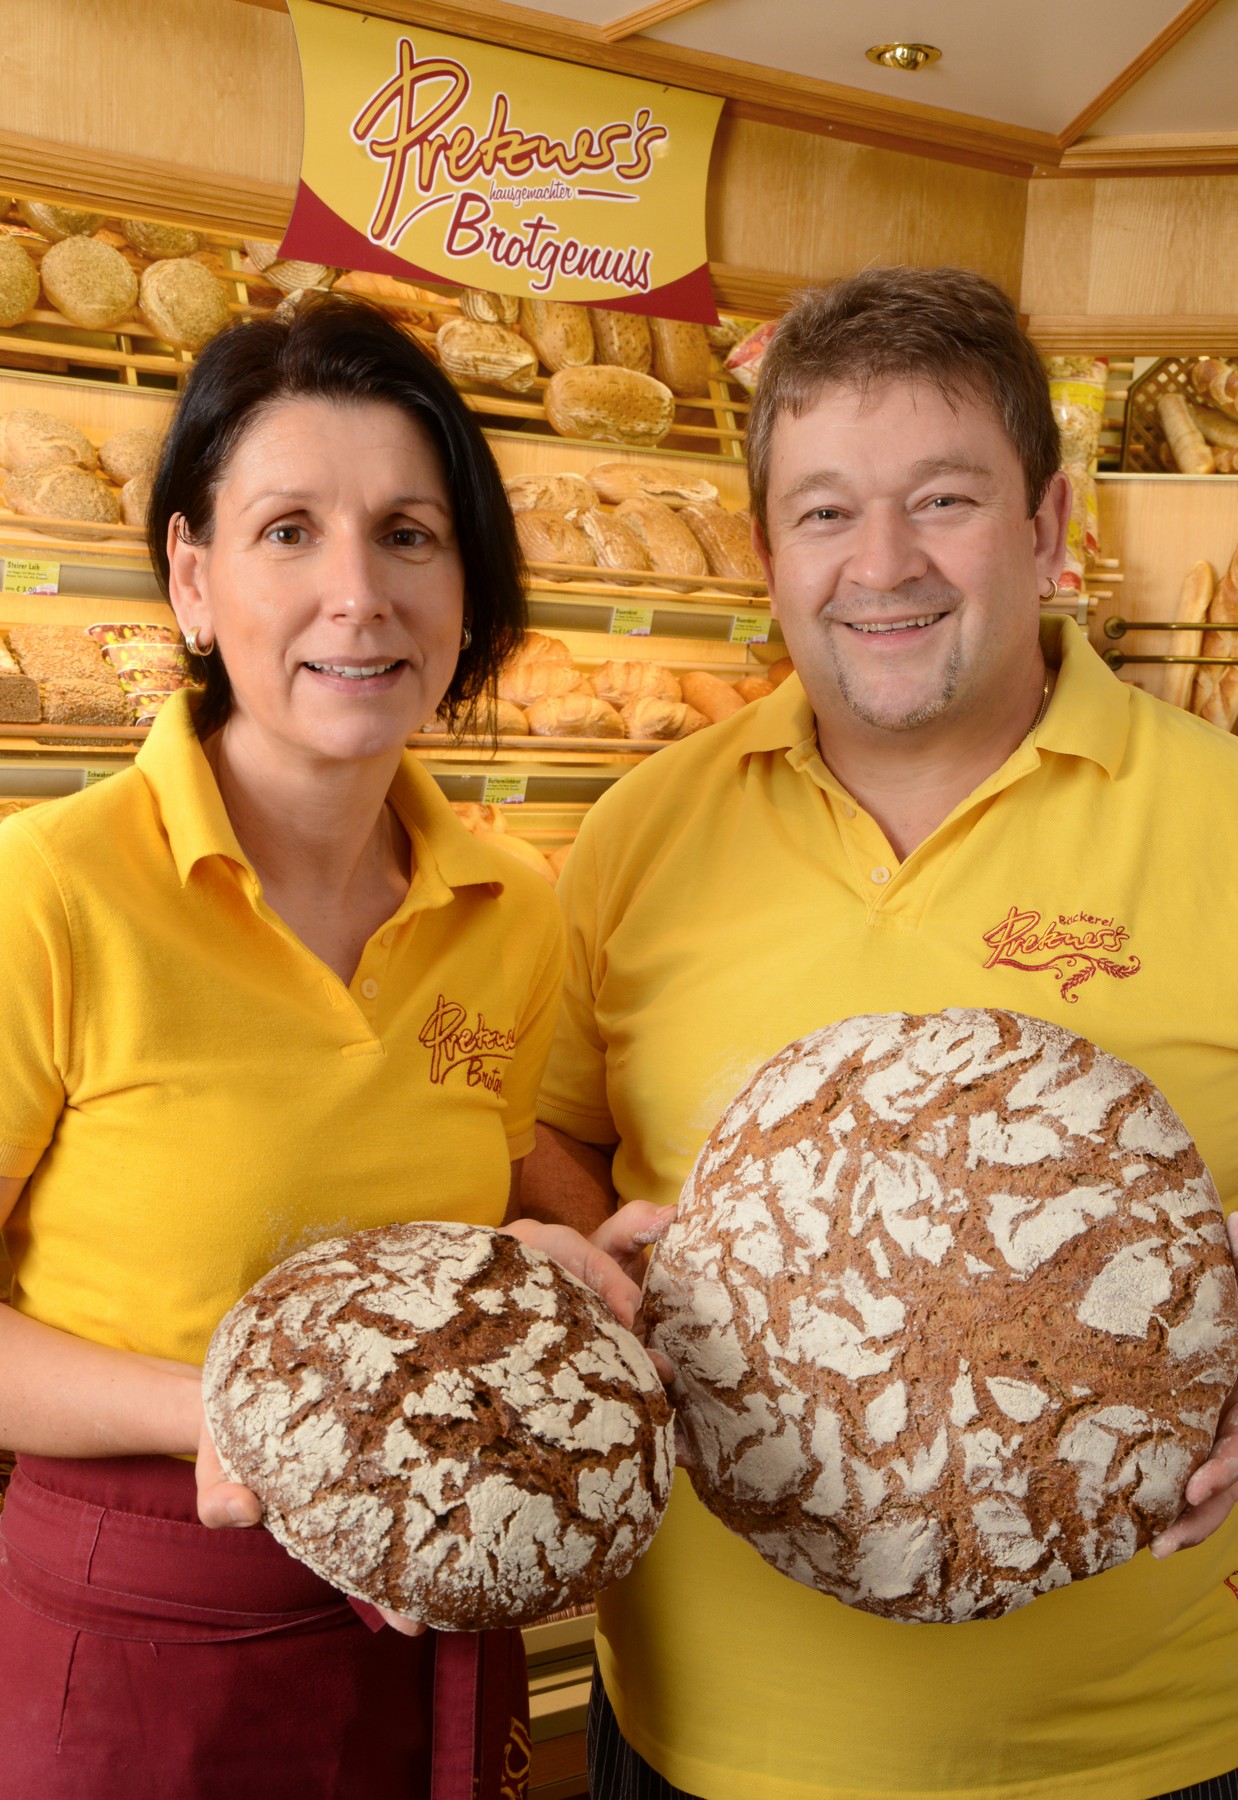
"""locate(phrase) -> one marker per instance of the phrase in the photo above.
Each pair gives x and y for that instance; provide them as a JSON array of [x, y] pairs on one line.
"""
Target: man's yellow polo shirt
[[194, 1095], [729, 897]]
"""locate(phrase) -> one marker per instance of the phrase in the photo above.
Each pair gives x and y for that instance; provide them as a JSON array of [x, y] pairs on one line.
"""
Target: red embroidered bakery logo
[[455, 1044], [1071, 949]]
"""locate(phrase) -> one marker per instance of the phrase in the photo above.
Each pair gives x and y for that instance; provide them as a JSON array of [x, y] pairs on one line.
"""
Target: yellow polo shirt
[[729, 897], [194, 1095]]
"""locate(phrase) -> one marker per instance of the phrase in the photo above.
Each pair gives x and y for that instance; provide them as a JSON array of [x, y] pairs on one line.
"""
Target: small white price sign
[[750, 628], [631, 621], [504, 790], [30, 575]]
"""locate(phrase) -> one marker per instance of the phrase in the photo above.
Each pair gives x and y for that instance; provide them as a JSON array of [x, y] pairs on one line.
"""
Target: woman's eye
[[287, 534], [407, 537]]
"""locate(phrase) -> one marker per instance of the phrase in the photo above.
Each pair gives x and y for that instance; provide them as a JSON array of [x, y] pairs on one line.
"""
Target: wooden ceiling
[[1063, 87]]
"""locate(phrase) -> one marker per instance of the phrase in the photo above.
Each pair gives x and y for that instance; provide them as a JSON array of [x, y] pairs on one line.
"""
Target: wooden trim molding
[[634, 22], [1148, 57], [1201, 153], [1112, 334]]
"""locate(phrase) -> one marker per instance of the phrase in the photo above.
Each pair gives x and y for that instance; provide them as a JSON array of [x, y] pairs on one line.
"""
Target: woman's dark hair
[[347, 352]]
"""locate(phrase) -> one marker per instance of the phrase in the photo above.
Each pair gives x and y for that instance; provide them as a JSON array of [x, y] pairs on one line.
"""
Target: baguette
[[681, 355], [1190, 452], [1215, 693], [1194, 599], [671, 547], [621, 338], [613, 406], [716, 699], [561, 334], [726, 540]]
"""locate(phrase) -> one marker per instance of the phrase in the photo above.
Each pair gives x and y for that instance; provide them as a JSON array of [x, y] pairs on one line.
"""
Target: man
[[952, 805]]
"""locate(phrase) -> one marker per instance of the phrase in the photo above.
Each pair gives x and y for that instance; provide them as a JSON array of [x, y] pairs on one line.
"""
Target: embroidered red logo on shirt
[[1071, 949], [453, 1044]]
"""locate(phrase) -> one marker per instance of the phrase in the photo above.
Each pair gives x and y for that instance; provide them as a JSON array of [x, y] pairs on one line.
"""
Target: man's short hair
[[946, 326]]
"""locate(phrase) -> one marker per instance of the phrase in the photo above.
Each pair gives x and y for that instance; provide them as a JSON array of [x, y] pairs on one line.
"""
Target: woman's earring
[[1052, 594], [192, 645], [466, 638]]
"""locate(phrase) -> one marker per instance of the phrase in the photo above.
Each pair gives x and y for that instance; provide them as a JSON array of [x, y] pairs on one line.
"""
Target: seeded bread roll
[[671, 547], [183, 302], [559, 333], [61, 493], [577, 714], [726, 540], [952, 1312], [681, 355], [19, 283], [157, 242], [129, 453], [615, 547], [649, 717], [523, 682], [56, 222], [569, 494], [548, 537], [619, 481], [627, 679], [37, 440], [716, 699], [621, 338], [89, 282], [471, 351], [442, 1421], [613, 406]]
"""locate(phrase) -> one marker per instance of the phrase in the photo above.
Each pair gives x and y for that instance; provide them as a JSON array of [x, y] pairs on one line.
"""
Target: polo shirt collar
[[196, 823], [1088, 716]]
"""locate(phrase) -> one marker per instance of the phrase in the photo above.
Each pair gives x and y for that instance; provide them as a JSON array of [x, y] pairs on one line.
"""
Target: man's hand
[[222, 1503], [1213, 1489], [611, 1262]]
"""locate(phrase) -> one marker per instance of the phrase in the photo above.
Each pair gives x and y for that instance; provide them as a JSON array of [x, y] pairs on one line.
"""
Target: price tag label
[[631, 621], [504, 790], [750, 628], [28, 575], [93, 775]]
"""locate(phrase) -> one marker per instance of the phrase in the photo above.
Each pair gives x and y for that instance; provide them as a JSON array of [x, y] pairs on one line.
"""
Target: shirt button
[[880, 876], [369, 987], [388, 939], [848, 812]]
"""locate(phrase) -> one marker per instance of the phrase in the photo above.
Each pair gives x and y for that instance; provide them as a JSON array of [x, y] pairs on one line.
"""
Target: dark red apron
[[143, 1656]]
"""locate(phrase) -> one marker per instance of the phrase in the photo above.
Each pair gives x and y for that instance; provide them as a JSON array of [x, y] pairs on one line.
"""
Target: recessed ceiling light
[[903, 56]]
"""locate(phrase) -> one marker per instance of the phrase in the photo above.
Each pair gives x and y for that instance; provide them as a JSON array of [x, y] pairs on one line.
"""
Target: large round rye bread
[[442, 1421], [951, 1310]]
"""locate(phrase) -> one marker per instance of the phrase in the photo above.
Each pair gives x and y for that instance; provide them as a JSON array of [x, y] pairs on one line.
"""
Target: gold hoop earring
[[193, 647], [1053, 590], [466, 638]]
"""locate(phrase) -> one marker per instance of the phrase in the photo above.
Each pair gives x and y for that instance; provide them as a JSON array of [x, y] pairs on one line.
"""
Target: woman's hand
[[611, 1261], [1212, 1490], [222, 1503]]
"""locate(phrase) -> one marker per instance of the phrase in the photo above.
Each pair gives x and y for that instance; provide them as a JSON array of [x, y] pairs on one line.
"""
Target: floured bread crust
[[442, 1421], [951, 1310]]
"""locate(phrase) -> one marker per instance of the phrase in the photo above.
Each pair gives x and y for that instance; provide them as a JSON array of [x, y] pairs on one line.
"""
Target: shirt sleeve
[[534, 1032], [35, 1001], [573, 1097]]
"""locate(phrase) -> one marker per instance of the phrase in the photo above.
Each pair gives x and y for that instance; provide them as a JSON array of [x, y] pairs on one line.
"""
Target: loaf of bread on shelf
[[61, 493], [621, 338], [30, 439], [612, 406], [19, 694], [1226, 461], [1190, 451], [135, 500], [72, 700], [1216, 382], [681, 355], [56, 222], [715, 699], [472, 351], [574, 715], [89, 282], [490, 309], [502, 719], [778, 671], [726, 540], [570, 494], [626, 679], [184, 304], [524, 682], [539, 646], [1214, 695], [19, 283], [753, 687], [1194, 599], [650, 717], [550, 537], [52, 652], [616, 548], [1216, 427], [616, 482], [671, 547], [156, 242], [129, 453], [561, 334]]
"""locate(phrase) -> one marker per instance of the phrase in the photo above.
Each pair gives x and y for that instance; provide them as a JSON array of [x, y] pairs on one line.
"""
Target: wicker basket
[[1144, 448]]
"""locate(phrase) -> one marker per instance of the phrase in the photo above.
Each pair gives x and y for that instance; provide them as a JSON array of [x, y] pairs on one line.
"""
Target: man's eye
[[825, 512]]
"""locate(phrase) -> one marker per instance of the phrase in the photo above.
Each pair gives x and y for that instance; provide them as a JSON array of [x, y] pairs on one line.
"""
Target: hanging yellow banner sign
[[434, 158]]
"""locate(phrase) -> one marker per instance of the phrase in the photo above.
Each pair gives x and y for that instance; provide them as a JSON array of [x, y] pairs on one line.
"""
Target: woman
[[263, 988]]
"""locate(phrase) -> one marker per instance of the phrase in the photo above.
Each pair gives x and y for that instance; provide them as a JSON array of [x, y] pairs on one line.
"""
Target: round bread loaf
[[440, 1420], [30, 439], [19, 284], [155, 241], [57, 222], [62, 493], [183, 302], [89, 282], [129, 453], [135, 500], [952, 1312]]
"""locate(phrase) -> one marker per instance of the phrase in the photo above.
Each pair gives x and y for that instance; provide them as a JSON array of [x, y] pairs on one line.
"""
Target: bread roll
[[183, 302], [616, 548], [129, 453], [778, 671], [753, 687], [156, 242], [61, 493], [89, 282], [1217, 382], [525, 682], [716, 699], [537, 646], [573, 715], [628, 679], [19, 283], [1186, 441], [490, 309], [622, 339], [1216, 427], [559, 333], [726, 540], [613, 406], [56, 222], [135, 500], [671, 547], [548, 537], [1214, 695], [569, 494], [30, 439], [681, 355], [649, 717], [619, 481], [470, 351]]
